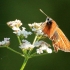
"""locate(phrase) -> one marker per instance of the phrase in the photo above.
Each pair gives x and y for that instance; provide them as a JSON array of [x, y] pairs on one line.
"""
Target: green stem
[[35, 55], [33, 44], [14, 51], [19, 40], [24, 64], [35, 39]]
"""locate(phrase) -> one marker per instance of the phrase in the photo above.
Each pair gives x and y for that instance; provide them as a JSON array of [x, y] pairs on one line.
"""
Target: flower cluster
[[23, 32], [26, 45], [40, 45], [36, 27], [5, 42], [15, 25]]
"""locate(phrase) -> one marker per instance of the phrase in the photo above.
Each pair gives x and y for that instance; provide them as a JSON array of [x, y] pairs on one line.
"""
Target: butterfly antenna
[[43, 12]]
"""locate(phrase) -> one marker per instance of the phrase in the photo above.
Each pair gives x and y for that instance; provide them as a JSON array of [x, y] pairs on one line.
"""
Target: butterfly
[[56, 35]]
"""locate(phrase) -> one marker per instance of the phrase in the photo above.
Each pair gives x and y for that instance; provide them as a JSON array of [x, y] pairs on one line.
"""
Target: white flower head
[[15, 24], [37, 44], [26, 45], [23, 32], [42, 46], [48, 50], [5, 42], [6, 39], [36, 27], [40, 43]]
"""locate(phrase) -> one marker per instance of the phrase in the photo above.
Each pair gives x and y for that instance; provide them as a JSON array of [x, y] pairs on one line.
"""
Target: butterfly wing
[[62, 43]]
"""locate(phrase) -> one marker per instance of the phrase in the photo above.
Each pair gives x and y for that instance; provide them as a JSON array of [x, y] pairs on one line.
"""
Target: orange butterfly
[[55, 34]]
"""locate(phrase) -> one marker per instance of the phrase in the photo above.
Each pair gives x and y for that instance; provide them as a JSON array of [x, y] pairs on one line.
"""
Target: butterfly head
[[48, 21]]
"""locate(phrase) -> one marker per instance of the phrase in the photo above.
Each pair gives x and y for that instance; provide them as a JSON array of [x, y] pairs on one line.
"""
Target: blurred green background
[[28, 12]]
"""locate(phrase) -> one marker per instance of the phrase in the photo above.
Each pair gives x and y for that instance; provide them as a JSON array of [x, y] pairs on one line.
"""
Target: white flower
[[26, 45], [14, 24], [36, 27], [6, 39], [40, 43], [39, 51], [39, 32], [42, 46], [48, 50], [37, 44], [23, 32], [5, 42], [15, 28]]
